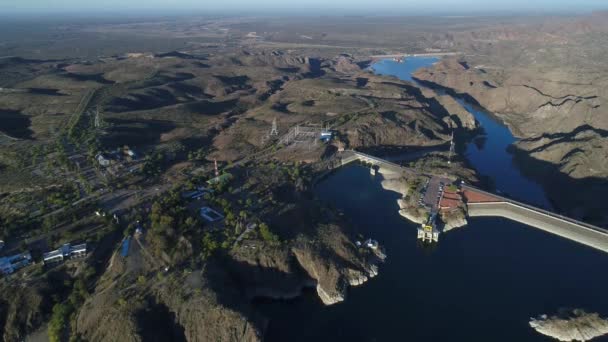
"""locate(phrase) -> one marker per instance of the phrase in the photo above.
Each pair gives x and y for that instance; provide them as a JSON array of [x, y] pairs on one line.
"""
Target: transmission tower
[[274, 130], [97, 124], [451, 148]]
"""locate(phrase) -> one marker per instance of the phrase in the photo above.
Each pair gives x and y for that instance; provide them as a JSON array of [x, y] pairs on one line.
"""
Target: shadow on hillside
[[583, 199]]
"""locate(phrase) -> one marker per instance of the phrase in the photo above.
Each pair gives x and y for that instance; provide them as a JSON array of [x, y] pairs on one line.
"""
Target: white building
[[103, 160], [64, 252]]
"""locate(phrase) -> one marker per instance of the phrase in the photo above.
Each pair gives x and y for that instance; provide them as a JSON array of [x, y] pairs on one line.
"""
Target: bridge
[[482, 203]]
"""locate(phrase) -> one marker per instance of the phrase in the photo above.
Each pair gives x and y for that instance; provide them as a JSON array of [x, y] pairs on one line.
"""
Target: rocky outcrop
[[581, 158], [210, 315], [459, 116], [453, 219], [530, 100], [576, 325], [22, 310], [582, 146], [414, 216], [398, 184], [393, 129], [334, 263], [345, 64], [199, 306]]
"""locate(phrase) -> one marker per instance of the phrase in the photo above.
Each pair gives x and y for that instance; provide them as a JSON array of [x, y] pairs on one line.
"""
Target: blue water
[[479, 283], [403, 71], [488, 154]]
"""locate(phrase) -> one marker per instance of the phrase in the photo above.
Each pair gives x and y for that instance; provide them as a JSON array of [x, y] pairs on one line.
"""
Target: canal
[[479, 283]]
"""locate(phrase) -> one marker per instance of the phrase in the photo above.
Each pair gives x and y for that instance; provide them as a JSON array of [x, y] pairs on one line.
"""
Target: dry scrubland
[[180, 111], [182, 93]]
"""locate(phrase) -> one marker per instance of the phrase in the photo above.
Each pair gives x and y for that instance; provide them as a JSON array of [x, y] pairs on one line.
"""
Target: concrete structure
[[303, 134], [12, 263], [483, 203], [380, 165], [428, 232], [64, 252]]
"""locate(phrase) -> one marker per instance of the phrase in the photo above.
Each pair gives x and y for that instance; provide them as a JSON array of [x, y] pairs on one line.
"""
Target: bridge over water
[[482, 203]]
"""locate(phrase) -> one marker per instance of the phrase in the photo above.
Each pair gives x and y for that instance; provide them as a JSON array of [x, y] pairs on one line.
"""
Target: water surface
[[479, 283], [488, 154]]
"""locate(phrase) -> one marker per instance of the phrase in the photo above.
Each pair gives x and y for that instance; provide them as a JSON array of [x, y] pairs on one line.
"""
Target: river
[[488, 154], [479, 283]]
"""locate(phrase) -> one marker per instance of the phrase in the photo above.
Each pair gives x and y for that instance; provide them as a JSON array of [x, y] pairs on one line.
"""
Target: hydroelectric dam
[[480, 203]]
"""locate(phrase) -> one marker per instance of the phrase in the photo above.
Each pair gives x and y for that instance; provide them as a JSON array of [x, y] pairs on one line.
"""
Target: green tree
[[59, 321], [210, 245], [268, 235]]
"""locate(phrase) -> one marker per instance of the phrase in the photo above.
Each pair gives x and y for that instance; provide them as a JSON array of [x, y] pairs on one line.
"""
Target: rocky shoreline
[[574, 325], [397, 184]]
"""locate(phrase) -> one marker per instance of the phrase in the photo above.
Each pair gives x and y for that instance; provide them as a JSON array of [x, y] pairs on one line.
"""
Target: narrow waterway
[[488, 152], [479, 283]]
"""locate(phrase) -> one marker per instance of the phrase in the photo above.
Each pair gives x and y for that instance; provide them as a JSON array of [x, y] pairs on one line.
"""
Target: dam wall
[[490, 204], [570, 229], [383, 165]]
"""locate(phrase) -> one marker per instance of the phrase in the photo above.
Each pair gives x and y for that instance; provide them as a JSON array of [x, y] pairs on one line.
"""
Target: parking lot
[[433, 192]]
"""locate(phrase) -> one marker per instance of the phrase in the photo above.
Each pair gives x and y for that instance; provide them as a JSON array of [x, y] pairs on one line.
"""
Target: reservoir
[[480, 283]]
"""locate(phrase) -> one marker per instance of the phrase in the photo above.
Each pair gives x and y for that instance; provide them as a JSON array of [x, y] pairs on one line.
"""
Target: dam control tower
[[428, 231]]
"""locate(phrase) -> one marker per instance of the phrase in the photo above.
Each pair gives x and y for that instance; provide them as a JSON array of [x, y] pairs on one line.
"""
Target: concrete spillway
[[591, 236], [483, 203]]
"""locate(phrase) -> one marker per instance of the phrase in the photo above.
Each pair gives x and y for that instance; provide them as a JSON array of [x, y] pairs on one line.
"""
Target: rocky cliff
[[128, 305], [22, 309], [552, 94]]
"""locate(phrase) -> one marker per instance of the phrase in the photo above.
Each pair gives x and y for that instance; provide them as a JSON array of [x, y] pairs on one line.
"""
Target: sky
[[395, 7]]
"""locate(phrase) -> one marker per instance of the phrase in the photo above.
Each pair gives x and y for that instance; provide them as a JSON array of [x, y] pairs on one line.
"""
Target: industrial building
[[64, 252], [10, 264]]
